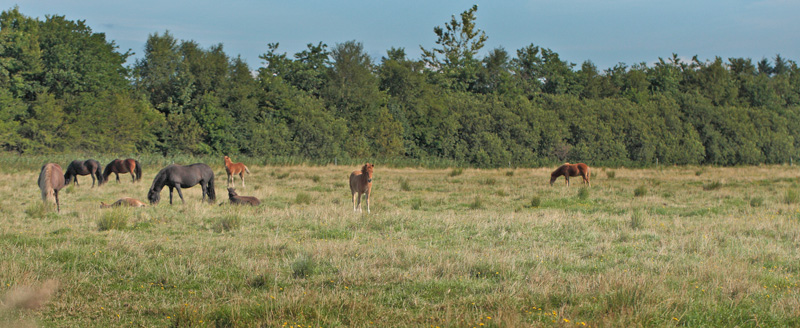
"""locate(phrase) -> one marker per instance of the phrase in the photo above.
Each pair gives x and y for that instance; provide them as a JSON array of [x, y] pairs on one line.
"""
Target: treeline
[[66, 88]]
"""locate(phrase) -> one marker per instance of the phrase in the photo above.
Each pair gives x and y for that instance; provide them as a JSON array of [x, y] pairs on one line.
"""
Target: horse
[[361, 183], [118, 166], [571, 170], [234, 169], [241, 200], [178, 176], [126, 201], [51, 180], [87, 167]]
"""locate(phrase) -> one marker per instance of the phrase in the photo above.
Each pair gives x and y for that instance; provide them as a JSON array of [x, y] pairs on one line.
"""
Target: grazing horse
[[361, 183], [241, 200], [126, 201], [179, 176], [571, 170], [118, 166], [87, 167], [234, 169], [51, 180]]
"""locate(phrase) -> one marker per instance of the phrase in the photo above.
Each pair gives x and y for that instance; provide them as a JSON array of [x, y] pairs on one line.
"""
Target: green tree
[[459, 41]]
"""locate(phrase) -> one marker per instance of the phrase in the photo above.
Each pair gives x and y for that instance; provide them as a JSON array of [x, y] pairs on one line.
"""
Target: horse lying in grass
[[571, 170], [126, 201], [361, 183], [235, 199], [179, 176], [233, 169], [87, 167], [51, 180], [118, 166]]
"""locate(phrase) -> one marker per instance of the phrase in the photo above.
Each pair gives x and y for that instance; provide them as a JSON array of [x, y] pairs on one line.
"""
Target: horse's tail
[[44, 182], [246, 169], [138, 170], [99, 174], [212, 195]]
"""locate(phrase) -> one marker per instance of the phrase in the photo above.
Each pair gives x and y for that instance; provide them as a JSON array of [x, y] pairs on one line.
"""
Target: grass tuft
[[791, 197], [640, 191], [611, 174], [456, 172], [227, 223], [303, 267], [712, 185], [114, 219], [583, 193], [302, 198]]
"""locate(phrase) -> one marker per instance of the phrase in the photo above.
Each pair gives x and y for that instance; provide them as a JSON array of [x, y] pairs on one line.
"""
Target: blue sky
[[604, 31]]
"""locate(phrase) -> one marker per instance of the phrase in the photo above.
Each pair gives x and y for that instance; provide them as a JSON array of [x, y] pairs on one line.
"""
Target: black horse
[[179, 176], [87, 167]]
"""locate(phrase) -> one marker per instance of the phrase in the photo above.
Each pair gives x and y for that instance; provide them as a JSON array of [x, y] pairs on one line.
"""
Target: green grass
[[447, 252]]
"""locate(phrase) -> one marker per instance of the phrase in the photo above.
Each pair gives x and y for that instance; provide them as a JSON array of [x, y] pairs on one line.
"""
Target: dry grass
[[439, 249]]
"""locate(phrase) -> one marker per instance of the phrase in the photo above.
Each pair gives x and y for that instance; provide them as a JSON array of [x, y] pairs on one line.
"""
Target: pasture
[[672, 246]]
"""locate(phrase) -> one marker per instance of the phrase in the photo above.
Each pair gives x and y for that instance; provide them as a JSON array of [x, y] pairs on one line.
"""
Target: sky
[[606, 32]]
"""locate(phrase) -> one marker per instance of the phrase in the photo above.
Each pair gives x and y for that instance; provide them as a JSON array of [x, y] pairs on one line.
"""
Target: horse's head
[[227, 159], [232, 192], [367, 170], [153, 196]]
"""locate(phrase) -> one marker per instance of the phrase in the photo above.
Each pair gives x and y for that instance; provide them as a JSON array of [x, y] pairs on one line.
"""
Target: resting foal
[[242, 200]]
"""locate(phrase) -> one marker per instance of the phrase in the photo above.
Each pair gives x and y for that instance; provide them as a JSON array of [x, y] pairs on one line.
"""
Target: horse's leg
[[180, 194], [93, 179], [170, 195], [117, 174], [133, 177], [367, 193], [76, 181], [241, 177], [230, 180], [359, 202], [354, 200], [58, 206]]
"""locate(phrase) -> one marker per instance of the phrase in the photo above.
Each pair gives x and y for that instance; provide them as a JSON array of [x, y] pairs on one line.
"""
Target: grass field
[[675, 246]]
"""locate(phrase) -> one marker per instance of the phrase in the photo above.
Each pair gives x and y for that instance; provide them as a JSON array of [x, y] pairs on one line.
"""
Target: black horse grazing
[[179, 176], [87, 167]]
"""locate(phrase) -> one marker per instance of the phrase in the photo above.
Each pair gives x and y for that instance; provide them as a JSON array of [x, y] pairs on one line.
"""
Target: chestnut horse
[[51, 180], [234, 169], [126, 201], [361, 183], [571, 170], [118, 166], [87, 167]]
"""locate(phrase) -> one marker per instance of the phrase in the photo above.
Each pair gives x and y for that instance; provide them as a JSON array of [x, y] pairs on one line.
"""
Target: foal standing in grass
[[233, 169], [361, 183]]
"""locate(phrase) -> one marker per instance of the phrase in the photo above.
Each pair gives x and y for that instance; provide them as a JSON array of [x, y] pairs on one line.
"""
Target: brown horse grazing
[[571, 170], [127, 201], [234, 169], [361, 183], [118, 166], [235, 199], [51, 180], [87, 167]]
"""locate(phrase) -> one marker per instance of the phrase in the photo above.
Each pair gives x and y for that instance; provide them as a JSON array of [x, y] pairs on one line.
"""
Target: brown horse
[[234, 169], [51, 180], [361, 183], [118, 166], [235, 199], [571, 170], [126, 201]]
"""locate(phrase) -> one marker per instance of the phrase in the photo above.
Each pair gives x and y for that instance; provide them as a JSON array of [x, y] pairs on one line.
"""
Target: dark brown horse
[[361, 183], [571, 170], [118, 166], [87, 167], [51, 180], [235, 199], [179, 176]]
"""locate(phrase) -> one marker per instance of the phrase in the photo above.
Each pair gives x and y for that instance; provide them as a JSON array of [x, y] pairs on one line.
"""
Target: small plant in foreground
[[792, 197], [456, 172], [303, 267], [712, 186], [227, 223], [476, 204], [583, 193], [611, 174], [637, 220], [509, 173], [536, 201], [114, 219], [756, 202], [404, 186], [302, 198], [640, 191]]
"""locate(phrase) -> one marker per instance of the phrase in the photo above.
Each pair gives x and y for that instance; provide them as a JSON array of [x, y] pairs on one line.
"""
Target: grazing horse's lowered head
[[571, 170]]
